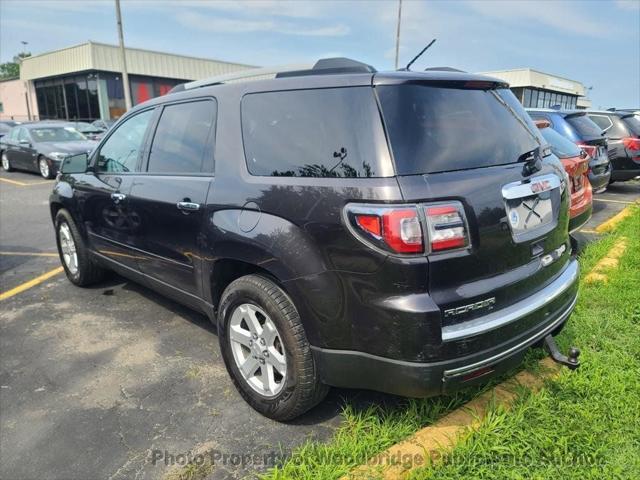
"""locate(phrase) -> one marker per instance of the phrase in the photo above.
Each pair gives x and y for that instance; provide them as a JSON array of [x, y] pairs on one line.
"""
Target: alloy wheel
[[5, 161], [44, 168], [68, 248], [257, 349]]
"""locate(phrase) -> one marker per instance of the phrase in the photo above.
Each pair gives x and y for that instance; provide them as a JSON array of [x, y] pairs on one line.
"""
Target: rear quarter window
[[334, 132]]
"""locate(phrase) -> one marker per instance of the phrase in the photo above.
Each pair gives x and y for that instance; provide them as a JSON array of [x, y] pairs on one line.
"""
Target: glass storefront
[[538, 98], [95, 95]]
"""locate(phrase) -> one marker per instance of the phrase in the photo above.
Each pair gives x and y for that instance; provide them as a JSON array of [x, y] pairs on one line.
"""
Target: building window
[[527, 97]]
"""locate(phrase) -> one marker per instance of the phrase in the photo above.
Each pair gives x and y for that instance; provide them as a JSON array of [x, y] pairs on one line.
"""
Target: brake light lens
[[446, 227], [631, 143], [591, 150], [401, 228]]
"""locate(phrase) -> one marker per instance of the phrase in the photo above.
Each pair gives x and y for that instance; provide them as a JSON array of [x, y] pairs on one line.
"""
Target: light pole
[[123, 58], [398, 31]]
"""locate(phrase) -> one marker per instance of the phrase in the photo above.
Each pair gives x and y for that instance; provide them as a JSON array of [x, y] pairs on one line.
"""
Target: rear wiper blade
[[516, 116]]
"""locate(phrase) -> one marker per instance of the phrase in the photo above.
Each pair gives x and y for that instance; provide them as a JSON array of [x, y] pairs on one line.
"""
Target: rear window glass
[[584, 126], [182, 139], [333, 132], [560, 146], [633, 123], [435, 129]]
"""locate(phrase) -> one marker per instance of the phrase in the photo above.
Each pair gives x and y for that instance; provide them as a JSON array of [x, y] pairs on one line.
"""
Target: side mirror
[[26, 143], [75, 163]]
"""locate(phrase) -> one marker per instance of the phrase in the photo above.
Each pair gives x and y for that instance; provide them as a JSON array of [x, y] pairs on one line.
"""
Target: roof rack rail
[[325, 66]]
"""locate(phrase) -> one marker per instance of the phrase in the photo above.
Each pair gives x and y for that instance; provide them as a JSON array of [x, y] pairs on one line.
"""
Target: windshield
[[435, 129], [560, 146], [56, 134], [633, 122]]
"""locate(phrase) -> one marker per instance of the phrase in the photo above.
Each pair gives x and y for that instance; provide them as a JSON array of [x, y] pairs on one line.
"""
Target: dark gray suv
[[403, 232]]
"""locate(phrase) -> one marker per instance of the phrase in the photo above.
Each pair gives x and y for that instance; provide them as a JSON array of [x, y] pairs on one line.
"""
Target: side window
[[334, 132], [602, 121], [13, 136], [121, 151], [183, 140], [23, 136]]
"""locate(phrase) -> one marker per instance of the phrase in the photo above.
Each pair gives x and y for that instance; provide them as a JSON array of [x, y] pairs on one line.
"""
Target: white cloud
[[563, 16], [232, 25]]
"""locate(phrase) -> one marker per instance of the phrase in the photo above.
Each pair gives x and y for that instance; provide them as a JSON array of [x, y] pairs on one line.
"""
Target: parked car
[[576, 164], [577, 127], [103, 125], [40, 147], [5, 126], [87, 129], [405, 232], [622, 130]]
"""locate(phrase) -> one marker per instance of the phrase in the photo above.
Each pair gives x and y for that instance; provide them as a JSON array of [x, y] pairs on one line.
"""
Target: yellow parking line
[[586, 230], [13, 182], [29, 254], [31, 283]]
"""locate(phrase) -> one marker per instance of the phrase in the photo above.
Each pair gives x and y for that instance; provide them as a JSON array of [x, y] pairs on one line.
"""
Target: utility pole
[[398, 32], [125, 74]]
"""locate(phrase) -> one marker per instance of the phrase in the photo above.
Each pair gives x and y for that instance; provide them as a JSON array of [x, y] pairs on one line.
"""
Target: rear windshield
[[633, 122], [584, 125], [436, 129], [560, 146]]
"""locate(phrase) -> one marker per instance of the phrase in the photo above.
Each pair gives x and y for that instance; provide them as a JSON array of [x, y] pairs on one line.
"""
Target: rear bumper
[[352, 369], [579, 220], [624, 175]]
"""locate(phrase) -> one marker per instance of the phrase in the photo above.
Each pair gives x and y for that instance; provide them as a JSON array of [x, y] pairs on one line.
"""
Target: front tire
[[6, 164], [44, 168], [81, 270], [265, 349]]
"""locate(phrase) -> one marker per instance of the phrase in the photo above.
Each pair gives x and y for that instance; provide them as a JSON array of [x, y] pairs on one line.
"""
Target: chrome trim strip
[[516, 311], [520, 189], [520, 346]]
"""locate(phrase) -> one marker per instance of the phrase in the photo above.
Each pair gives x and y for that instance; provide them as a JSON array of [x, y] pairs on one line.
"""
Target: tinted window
[[560, 146], [633, 123], [434, 129], [182, 138], [332, 132], [23, 135], [584, 125], [122, 149], [602, 121], [619, 129]]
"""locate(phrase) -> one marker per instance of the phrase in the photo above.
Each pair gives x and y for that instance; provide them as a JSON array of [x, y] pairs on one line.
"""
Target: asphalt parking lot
[[92, 381]]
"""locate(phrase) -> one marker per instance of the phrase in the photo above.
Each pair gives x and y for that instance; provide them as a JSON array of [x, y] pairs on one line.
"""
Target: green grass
[[584, 424]]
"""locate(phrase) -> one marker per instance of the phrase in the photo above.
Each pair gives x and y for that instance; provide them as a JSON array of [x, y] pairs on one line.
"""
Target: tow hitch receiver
[[570, 361]]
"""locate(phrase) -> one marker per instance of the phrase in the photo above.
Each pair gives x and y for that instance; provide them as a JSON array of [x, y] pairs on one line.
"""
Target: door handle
[[118, 197], [188, 206]]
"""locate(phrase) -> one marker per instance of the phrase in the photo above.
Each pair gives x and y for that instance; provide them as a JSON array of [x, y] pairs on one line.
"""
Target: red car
[[576, 164]]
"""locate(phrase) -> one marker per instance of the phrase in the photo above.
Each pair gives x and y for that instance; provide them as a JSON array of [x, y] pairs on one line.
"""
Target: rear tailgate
[[467, 144]]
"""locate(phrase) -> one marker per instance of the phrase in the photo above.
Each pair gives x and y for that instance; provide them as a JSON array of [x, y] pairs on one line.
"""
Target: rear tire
[[280, 393], [6, 164], [81, 270]]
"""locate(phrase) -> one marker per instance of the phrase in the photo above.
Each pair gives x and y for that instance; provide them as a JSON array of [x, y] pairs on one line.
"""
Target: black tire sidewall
[[84, 265], [276, 406]]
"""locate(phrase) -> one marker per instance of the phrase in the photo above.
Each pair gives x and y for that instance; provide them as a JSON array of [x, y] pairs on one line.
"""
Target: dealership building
[[84, 82], [537, 89]]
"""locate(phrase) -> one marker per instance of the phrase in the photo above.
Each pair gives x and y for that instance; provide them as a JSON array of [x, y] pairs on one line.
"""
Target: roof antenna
[[406, 69]]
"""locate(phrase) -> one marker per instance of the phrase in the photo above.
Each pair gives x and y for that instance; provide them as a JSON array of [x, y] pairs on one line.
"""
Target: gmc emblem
[[537, 187]]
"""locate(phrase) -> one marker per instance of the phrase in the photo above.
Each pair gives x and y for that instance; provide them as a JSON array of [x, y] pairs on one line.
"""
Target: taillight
[[446, 227], [400, 229], [591, 150], [631, 143]]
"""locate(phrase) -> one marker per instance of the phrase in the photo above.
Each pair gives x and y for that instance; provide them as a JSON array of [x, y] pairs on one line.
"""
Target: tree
[[12, 69]]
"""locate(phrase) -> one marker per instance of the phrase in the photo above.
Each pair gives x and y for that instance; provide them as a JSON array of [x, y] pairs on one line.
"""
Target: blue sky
[[595, 42]]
